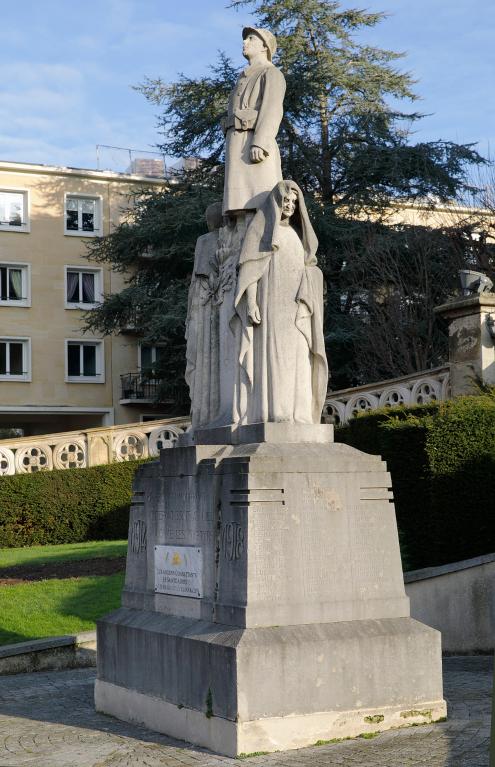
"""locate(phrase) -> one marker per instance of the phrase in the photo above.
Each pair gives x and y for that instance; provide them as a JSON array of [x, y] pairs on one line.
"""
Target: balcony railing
[[139, 388]]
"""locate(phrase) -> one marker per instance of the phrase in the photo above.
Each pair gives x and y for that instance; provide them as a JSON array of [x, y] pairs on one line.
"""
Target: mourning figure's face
[[289, 202]]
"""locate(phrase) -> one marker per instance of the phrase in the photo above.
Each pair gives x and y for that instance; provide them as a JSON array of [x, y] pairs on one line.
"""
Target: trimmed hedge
[[442, 460], [66, 506]]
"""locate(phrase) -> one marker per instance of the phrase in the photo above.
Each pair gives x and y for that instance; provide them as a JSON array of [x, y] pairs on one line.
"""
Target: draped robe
[[283, 372]]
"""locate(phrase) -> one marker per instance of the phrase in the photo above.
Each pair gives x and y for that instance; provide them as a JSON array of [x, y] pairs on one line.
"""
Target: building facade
[[53, 376]]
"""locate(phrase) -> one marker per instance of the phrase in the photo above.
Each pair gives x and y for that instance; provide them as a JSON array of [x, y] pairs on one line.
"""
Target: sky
[[67, 69]]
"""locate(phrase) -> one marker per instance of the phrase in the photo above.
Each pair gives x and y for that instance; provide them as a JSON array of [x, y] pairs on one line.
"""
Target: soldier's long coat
[[254, 115]]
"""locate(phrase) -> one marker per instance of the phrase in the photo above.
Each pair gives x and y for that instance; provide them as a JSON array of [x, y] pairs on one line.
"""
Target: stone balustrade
[[90, 447], [414, 389]]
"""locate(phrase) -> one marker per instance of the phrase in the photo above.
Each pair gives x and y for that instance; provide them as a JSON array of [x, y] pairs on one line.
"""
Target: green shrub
[[442, 460], [66, 506]]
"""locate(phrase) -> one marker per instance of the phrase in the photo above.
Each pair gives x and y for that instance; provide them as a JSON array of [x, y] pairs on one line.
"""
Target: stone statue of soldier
[[255, 111]]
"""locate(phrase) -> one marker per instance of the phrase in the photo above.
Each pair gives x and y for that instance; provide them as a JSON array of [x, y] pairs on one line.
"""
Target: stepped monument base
[[264, 606]]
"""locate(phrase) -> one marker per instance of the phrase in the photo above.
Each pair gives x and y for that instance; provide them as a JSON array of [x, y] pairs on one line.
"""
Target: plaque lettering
[[179, 571]]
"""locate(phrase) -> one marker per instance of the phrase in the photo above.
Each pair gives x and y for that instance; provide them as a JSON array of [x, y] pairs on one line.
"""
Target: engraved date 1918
[[232, 541]]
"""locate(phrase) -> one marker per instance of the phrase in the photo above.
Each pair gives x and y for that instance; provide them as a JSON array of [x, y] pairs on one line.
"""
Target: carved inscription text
[[232, 541], [138, 537]]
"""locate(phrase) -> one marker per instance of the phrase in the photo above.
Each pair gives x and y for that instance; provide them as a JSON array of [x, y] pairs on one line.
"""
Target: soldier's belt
[[242, 119]]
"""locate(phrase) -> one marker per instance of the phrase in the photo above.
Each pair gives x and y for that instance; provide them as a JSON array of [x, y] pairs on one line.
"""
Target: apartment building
[[53, 376]]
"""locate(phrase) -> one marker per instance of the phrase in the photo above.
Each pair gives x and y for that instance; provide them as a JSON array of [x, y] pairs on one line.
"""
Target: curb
[[50, 654]]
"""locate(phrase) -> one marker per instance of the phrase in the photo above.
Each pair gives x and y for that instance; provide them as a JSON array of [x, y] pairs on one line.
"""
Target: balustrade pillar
[[100, 448], [471, 341]]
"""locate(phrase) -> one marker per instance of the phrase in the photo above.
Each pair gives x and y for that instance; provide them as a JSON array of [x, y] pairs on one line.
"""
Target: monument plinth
[[300, 630], [264, 604]]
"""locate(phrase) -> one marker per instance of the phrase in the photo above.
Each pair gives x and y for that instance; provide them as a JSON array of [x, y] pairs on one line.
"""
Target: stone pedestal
[[471, 341], [264, 605]]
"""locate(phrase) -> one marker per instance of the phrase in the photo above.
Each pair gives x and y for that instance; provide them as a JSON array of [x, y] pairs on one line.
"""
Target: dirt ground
[[10, 576]]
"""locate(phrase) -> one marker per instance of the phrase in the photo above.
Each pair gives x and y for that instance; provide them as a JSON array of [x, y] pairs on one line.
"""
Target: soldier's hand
[[257, 154]]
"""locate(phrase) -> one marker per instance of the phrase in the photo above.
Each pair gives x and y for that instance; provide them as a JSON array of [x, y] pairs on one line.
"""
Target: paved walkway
[[48, 720]]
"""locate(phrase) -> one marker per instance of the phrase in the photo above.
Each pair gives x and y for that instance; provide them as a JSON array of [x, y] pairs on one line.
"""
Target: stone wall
[[459, 600]]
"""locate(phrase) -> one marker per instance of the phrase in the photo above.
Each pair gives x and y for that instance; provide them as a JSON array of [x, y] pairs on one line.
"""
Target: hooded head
[[262, 236]]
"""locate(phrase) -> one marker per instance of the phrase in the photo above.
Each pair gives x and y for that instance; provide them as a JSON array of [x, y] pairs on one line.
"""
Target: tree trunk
[[326, 159]]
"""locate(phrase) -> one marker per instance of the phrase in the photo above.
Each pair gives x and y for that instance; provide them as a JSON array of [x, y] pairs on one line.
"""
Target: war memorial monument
[[264, 605]]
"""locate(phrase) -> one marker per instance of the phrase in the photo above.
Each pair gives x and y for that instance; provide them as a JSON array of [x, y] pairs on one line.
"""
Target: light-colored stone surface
[[268, 734], [471, 347], [52, 653], [48, 720], [283, 372], [213, 345], [267, 689], [414, 389], [255, 345], [89, 447], [459, 601], [283, 432], [255, 110], [305, 533], [202, 326], [303, 613]]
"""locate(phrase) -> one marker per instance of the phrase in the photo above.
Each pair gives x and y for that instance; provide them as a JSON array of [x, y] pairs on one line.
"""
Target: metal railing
[[139, 387], [138, 162]]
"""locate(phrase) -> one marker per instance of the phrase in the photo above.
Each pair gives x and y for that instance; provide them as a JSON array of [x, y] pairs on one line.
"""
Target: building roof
[[60, 170]]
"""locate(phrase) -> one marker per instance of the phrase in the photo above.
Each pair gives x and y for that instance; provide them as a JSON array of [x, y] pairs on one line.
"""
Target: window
[[13, 211], [14, 284], [82, 287], [84, 361], [15, 359], [82, 215], [149, 356]]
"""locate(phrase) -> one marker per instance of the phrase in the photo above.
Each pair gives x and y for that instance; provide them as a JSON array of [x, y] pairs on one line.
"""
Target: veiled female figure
[[283, 367]]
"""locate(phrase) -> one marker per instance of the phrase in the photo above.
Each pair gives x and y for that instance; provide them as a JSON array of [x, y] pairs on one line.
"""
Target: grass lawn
[[37, 555], [53, 607]]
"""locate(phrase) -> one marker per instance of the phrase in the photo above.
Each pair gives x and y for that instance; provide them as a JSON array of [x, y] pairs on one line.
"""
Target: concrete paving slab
[[48, 719]]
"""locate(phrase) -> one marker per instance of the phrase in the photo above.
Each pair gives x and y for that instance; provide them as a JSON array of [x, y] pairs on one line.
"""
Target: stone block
[[301, 631], [290, 533], [281, 432], [266, 689]]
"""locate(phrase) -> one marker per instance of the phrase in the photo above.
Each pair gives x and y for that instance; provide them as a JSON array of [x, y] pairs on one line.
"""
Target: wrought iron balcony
[[139, 388]]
